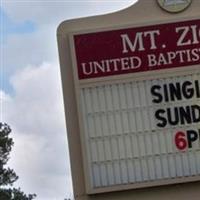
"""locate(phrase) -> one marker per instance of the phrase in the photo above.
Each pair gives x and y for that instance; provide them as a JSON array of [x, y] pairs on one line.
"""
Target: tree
[[7, 175]]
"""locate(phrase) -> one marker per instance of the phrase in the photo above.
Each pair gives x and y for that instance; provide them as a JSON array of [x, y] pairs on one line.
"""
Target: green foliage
[[7, 175], [15, 194]]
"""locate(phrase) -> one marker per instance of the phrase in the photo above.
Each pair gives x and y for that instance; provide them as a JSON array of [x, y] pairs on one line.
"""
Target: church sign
[[131, 87], [138, 90]]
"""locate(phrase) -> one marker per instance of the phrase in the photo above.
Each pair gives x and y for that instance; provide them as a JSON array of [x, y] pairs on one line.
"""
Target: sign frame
[[67, 30]]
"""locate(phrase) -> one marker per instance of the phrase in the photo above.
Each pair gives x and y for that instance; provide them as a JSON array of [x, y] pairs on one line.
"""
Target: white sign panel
[[142, 131]]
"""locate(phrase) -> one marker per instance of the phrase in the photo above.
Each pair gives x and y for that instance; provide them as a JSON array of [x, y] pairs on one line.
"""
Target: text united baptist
[[138, 49], [137, 43]]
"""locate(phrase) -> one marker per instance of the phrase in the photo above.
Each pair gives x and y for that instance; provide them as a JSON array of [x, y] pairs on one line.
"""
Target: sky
[[31, 91]]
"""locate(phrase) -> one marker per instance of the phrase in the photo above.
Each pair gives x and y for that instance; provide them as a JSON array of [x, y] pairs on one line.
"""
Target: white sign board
[[138, 93], [133, 100]]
